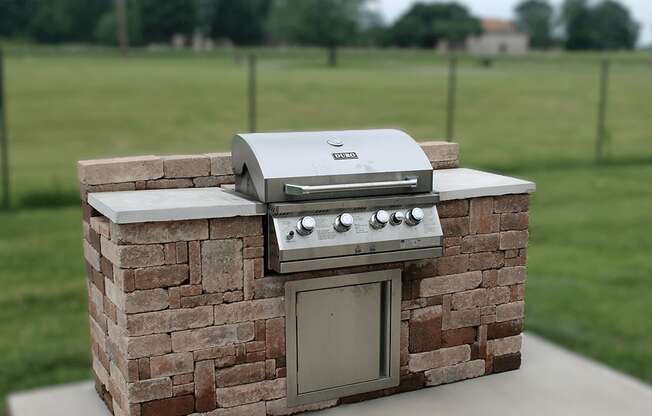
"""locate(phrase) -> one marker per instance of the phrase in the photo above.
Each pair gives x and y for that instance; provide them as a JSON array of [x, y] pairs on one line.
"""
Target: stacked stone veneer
[[184, 320]]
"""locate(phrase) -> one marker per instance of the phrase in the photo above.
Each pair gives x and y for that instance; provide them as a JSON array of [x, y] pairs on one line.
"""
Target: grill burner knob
[[343, 222], [397, 218], [305, 225], [414, 216], [379, 219]]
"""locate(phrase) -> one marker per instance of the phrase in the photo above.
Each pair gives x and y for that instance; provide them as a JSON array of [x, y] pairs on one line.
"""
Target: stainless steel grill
[[340, 198]]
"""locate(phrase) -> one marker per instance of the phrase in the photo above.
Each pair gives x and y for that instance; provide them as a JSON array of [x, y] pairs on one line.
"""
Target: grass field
[[590, 266]]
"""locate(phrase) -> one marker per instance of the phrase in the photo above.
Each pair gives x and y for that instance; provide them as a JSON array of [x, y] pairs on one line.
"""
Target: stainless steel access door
[[343, 335]]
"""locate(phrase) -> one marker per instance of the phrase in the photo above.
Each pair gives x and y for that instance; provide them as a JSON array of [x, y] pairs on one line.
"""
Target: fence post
[[4, 146], [122, 26], [602, 110], [252, 92], [452, 91]]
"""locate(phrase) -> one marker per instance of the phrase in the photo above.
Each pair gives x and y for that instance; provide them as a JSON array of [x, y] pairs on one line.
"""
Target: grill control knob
[[305, 225], [414, 216], [397, 218], [343, 222], [379, 219]]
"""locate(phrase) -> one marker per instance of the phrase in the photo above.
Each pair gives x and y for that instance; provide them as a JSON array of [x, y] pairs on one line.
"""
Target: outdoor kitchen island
[[187, 316]]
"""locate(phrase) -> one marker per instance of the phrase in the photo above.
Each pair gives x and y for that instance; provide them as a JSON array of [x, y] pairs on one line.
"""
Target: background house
[[499, 37]]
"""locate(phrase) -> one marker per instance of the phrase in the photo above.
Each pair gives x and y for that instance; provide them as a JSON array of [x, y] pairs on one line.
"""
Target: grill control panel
[[337, 231]]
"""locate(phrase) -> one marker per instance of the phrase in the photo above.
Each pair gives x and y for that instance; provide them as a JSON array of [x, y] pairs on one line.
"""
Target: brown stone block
[[504, 329], [439, 358], [194, 262], [170, 252], [174, 406], [183, 390], [452, 251], [124, 279], [222, 265], [91, 255], [249, 311], [171, 364], [507, 362], [253, 241], [213, 181], [147, 390], [186, 166], [223, 228], [228, 361], [498, 295], [514, 221], [106, 268], [205, 386], [220, 163], [454, 208], [233, 296], [159, 232], [460, 319], [212, 336], [101, 226], [250, 393], [517, 292], [452, 264], [125, 169], [183, 379], [513, 239], [201, 300], [253, 357], [460, 336], [148, 345], [481, 217], [451, 241], [510, 311], [159, 277], [214, 352], [419, 268], [181, 249], [253, 252], [143, 369], [444, 164], [449, 284], [511, 275], [469, 299], [270, 369], [438, 151], [132, 256], [169, 184], [489, 278], [455, 227], [479, 243], [275, 337], [168, 320], [488, 260], [405, 342], [240, 374], [511, 203], [425, 329], [255, 346], [260, 330]]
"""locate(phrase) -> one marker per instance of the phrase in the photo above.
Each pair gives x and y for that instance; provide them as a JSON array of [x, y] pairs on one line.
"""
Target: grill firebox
[[340, 198]]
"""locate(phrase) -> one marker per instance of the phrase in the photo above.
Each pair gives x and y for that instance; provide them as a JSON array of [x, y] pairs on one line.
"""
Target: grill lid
[[277, 167]]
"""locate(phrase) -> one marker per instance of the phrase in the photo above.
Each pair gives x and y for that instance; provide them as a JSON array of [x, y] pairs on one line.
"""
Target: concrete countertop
[[551, 381], [173, 204], [461, 183], [196, 203]]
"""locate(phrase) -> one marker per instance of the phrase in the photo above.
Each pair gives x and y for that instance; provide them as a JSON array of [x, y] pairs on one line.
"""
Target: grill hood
[[278, 167]]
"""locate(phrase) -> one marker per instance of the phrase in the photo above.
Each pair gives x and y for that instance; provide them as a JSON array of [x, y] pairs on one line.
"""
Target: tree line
[[576, 25]]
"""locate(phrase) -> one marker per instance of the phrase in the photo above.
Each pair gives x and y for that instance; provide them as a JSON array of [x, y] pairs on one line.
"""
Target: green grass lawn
[[589, 279]]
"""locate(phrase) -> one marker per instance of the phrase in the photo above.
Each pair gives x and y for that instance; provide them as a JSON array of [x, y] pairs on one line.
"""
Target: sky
[[641, 10]]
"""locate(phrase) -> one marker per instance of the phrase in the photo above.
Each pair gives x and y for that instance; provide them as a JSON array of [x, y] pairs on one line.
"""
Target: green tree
[[535, 18], [607, 25], [242, 21], [55, 21], [14, 16], [160, 20], [614, 26], [424, 25], [326, 23]]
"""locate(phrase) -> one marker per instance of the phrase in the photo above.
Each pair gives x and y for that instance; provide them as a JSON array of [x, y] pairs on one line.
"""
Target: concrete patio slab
[[552, 381]]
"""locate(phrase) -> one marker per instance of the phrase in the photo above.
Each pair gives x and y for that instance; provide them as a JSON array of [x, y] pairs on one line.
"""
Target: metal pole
[[121, 26], [452, 91], [602, 110], [4, 146], [252, 93]]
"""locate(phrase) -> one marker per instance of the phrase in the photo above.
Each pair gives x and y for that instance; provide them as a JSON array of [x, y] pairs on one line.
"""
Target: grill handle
[[291, 189]]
